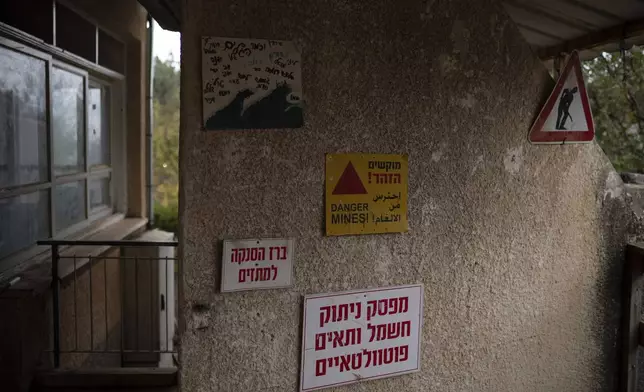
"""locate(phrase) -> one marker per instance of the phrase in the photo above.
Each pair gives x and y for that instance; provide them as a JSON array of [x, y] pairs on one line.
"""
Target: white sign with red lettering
[[360, 335], [257, 264]]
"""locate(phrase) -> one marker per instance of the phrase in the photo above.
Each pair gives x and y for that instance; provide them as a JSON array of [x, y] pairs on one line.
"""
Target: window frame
[[103, 171], [117, 124]]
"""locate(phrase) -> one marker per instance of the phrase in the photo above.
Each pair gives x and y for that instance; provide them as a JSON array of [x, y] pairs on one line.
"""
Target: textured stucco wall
[[519, 247]]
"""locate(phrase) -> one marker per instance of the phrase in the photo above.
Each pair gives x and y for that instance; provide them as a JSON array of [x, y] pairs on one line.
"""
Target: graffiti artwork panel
[[251, 84]]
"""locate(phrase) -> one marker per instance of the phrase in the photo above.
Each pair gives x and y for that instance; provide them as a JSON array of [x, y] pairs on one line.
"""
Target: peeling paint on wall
[[427, 211], [437, 155], [513, 159], [614, 187], [447, 63], [460, 37], [200, 316], [428, 10], [468, 102], [477, 164]]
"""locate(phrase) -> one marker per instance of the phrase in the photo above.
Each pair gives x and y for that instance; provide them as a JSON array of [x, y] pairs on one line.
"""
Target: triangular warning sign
[[349, 183], [566, 117]]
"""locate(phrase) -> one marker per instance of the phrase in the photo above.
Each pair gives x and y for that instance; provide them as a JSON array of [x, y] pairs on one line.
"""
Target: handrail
[[56, 256]]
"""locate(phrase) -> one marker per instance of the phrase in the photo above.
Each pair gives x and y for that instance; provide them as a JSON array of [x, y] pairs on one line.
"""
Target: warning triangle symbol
[[566, 117], [349, 183]]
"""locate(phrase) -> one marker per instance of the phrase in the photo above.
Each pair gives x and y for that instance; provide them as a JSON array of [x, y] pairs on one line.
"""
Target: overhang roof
[[167, 13], [552, 27]]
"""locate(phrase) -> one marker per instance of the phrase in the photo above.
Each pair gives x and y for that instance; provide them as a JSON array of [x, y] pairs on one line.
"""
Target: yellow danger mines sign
[[366, 193]]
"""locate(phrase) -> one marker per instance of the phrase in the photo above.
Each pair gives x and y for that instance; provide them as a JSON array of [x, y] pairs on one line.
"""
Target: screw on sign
[[360, 335]]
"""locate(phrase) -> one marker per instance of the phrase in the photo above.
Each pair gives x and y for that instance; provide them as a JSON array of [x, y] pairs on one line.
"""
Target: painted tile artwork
[[251, 84]]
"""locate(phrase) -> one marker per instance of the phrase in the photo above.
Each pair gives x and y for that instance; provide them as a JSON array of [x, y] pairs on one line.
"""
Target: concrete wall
[[519, 246], [23, 337]]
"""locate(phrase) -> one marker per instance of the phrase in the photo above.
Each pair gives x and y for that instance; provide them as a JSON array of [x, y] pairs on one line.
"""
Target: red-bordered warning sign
[[566, 117]]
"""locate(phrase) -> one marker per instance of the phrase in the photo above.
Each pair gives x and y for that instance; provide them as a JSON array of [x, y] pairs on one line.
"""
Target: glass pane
[[68, 113], [69, 204], [24, 220], [23, 126], [99, 192], [99, 125]]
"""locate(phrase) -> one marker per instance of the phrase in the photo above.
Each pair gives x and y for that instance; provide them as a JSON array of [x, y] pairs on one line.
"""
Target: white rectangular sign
[[257, 264], [360, 335]]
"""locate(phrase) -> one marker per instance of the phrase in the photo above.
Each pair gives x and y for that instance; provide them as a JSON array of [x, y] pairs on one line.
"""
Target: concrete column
[[519, 246]]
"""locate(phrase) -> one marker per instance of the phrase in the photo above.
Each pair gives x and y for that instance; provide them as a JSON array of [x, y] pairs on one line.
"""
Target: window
[[55, 159], [68, 121]]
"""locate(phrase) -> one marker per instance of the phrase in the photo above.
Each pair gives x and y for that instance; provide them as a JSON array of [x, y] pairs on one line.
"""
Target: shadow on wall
[[272, 111]]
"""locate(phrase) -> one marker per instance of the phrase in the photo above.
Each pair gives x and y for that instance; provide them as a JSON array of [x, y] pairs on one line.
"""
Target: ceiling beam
[[611, 34]]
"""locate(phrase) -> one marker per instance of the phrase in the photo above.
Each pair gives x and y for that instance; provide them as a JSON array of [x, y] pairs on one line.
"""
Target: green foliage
[[166, 217], [166, 144], [166, 83], [616, 92]]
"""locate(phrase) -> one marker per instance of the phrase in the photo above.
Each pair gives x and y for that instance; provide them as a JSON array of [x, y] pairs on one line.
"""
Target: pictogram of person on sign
[[563, 110]]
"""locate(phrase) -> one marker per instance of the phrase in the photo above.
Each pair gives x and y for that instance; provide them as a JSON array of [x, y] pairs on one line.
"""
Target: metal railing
[[141, 274]]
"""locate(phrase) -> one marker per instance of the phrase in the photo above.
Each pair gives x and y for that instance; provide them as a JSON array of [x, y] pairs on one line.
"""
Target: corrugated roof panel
[[624, 9], [540, 12], [552, 26], [573, 13], [537, 37]]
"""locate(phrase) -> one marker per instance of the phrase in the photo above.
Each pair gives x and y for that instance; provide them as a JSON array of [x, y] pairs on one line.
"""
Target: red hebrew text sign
[[360, 335], [257, 264]]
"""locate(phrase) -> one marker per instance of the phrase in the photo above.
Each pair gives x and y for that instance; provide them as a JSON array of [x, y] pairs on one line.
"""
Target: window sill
[[83, 254], [35, 271]]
